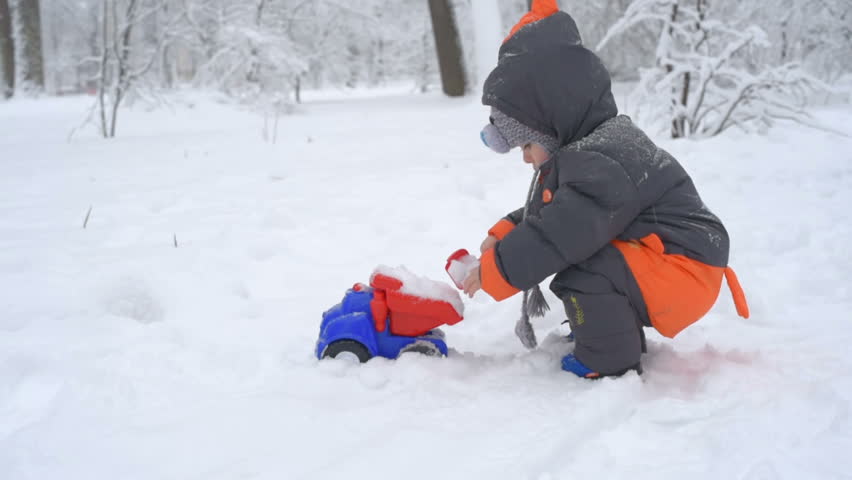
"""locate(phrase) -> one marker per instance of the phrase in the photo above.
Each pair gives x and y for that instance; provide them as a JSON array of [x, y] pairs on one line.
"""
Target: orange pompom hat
[[540, 9]]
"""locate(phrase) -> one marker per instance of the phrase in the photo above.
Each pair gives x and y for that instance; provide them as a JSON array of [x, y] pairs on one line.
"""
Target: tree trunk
[[166, 60], [7, 52], [488, 36], [448, 46], [123, 80], [104, 67], [30, 58], [677, 127], [297, 89], [680, 120]]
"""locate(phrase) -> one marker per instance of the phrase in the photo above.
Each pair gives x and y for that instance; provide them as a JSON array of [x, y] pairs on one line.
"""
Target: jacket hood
[[546, 79]]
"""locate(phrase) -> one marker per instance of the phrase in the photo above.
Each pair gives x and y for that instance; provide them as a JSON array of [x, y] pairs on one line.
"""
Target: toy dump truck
[[396, 313]]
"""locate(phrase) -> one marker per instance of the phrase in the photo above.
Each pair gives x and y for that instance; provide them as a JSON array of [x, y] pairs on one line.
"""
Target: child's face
[[535, 155]]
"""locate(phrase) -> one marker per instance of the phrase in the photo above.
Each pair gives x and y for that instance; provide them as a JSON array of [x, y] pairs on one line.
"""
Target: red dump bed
[[410, 315]]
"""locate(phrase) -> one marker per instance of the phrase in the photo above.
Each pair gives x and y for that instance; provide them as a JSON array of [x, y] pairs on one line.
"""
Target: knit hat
[[505, 133]]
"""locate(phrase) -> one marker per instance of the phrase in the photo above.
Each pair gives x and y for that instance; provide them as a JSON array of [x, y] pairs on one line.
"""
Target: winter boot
[[570, 363]]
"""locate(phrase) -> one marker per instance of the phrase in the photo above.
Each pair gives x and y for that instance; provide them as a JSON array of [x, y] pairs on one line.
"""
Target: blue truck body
[[352, 319]]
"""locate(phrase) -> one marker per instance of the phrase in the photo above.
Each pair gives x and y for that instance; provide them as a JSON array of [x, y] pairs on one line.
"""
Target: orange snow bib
[[678, 290]]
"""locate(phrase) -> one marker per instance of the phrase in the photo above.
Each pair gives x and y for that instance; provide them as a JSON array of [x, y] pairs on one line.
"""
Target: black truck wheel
[[347, 349], [422, 347]]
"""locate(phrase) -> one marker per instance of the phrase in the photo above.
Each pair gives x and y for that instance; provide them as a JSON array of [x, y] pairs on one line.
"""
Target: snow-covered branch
[[704, 79]]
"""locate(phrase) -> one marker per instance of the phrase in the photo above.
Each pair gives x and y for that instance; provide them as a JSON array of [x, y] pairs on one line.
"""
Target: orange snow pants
[[678, 291]]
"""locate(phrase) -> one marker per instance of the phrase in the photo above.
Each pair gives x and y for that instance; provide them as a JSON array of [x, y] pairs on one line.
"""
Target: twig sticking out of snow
[[86, 220]]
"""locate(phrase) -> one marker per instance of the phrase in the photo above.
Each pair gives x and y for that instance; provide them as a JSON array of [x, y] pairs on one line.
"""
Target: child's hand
[[472, 283], [489, 242]]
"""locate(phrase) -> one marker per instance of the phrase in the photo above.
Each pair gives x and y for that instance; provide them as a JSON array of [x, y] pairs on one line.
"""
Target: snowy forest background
[[702, 66]]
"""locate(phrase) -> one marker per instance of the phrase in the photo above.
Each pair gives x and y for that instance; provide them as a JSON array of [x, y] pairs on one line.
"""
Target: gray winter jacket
[[608, 181]]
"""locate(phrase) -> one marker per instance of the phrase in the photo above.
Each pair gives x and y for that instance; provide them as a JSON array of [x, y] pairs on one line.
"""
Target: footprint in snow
[[132, 298]]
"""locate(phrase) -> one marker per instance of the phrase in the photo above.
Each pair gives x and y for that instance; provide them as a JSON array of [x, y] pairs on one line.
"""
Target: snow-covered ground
[[124, 356]]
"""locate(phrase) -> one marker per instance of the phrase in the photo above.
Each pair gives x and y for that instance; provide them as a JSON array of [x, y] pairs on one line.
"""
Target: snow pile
[[126, 354], [422, 287]]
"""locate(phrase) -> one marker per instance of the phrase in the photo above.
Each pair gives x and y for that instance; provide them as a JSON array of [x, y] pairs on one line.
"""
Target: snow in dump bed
[[422, 287]]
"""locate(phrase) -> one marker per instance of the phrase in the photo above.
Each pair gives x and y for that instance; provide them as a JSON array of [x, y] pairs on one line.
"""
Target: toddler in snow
[[616, 218]]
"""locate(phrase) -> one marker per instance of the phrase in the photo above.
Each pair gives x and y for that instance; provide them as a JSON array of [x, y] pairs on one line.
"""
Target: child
[[616, 218]]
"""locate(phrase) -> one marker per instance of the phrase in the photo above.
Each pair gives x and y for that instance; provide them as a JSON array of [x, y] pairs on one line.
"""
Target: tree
[[448, 46], [123, 62], [814, 32], [488, 35], [705, 79], [29, 59], [248, 48], [7, 52]]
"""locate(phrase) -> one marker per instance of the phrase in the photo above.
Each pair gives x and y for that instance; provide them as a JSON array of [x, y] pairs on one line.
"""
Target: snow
[[123, 356], [422, 287], [460, 268]]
